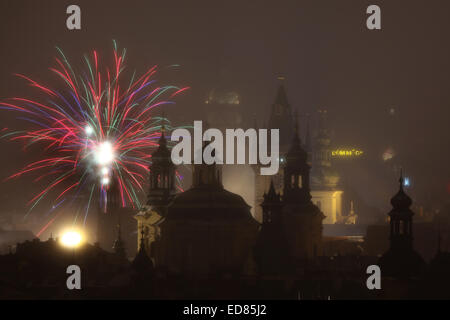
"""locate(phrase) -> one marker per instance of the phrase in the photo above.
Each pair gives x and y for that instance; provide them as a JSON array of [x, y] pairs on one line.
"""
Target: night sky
[[323, 48]]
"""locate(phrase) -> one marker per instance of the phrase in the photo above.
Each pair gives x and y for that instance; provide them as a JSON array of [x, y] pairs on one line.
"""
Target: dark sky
[[329, 58]]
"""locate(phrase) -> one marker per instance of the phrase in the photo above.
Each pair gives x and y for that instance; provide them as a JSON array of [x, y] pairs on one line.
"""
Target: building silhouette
[[272, 253], [401, 260], [202, 231], [325, 190], [303, 219]]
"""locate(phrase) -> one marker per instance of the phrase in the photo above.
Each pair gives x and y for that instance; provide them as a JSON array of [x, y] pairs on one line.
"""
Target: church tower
[[302, 219], [162, 177], [296, 172], [271, 252], [161, 193], [401, 260]]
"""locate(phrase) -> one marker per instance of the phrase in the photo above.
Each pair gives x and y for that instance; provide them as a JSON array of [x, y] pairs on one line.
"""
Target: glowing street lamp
[[71, 239]]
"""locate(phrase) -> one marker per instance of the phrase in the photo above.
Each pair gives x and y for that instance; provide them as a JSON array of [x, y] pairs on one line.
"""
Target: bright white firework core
[[105, 181], [104, 153], [105, 171], [88, 130]]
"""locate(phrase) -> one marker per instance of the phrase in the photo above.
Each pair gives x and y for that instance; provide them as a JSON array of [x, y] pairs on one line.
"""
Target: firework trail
[[98, 131]]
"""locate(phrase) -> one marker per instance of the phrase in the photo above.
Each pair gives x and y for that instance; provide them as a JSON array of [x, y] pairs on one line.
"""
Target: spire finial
[[308, 134], [272, 187], [162, 139], [401, 180], [296, 131]]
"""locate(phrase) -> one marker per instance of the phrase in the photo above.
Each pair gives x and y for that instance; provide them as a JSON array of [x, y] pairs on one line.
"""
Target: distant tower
[[401, 260], [162, 177], [272, 250], [326, 193], [119, 247], [302, 219], [108, 215], [280, 118]]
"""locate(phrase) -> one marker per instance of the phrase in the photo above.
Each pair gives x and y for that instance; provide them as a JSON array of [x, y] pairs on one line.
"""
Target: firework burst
[[98, 130]]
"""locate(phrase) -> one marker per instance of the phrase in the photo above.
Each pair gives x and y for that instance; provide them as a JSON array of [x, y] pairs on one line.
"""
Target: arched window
[[300, 182]]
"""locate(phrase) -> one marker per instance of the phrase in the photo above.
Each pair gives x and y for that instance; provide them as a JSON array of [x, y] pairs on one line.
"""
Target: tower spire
[[296, 129], [401, 180], [307, 135], [142, 263]]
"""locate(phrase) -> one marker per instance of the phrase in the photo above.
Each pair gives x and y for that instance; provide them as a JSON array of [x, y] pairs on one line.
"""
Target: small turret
[[119, 246], [162, 177]]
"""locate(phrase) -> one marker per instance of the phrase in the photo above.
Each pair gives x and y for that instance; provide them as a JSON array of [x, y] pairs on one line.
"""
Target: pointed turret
[[401, 260], [272, 249], [296, 171], [271, 205], [142, 262], [281, 97]]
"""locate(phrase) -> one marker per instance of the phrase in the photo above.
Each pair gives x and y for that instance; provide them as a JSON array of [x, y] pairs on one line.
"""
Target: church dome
[[324, 177], [209, 202], [223, 97]]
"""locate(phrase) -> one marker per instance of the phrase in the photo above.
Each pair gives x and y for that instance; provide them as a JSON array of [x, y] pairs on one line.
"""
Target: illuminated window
[[300, 182]]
